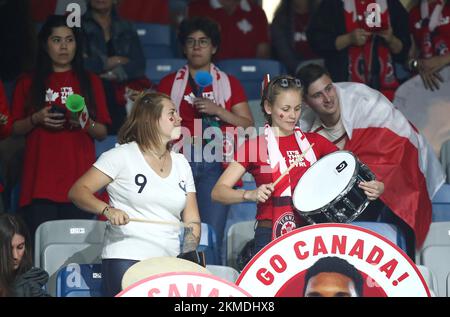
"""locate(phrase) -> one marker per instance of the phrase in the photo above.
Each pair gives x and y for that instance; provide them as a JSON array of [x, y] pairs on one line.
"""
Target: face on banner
[[183, 284], [332, 260]]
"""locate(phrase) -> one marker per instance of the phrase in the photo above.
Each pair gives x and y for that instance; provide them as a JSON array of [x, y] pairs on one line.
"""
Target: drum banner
[[183, 284], [332, 260], [383, 139]]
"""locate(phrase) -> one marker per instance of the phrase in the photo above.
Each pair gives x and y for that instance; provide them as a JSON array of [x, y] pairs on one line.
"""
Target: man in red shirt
[[243, 24]]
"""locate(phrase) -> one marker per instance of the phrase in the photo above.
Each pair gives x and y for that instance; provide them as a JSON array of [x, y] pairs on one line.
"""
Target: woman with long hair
[[58, 150], [17, 276], [147, 182]]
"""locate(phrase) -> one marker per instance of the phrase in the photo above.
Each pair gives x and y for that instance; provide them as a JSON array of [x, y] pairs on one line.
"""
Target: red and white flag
[[399, 156]]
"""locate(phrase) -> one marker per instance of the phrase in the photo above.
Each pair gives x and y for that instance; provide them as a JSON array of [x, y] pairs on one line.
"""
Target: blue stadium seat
[[250, 73], [155, 39], [79, 280], [208, 244], [105, 145], [157, 68], [441, 204], [387, 230]]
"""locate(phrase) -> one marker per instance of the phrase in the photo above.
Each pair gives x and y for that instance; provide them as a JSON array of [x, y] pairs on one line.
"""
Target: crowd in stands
[[43, 61]]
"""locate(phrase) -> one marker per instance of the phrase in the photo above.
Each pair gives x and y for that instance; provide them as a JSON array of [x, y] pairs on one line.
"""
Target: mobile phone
[[56, 109]]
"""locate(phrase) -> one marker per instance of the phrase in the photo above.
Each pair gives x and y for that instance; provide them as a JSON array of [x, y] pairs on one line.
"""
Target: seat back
[[107, 144], [225, 272], [250, 73], [429, 278], [448, 285], [157, 68], [387, 230], [237, 236], [62, 242], [79, 280], [208, 244], [445, 159], [155, 39], [441, 204], [435, 254], [258, 116]]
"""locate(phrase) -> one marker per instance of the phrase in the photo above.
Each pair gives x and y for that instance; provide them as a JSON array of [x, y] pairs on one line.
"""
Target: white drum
[[329, 192]]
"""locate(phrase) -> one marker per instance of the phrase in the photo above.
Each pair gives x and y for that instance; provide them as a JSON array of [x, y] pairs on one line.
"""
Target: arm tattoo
[[190, 241]]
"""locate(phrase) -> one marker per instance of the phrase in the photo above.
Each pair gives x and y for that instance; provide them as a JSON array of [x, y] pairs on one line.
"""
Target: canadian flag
[[399, 156], [84, 117]]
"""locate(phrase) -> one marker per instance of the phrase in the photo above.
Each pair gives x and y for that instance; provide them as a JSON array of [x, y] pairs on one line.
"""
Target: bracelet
[[413, 64], [105, 210], [92, 124]]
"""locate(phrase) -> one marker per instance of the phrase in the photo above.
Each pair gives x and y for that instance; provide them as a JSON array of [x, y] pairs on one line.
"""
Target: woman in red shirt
[[58, 151], [267, 156]]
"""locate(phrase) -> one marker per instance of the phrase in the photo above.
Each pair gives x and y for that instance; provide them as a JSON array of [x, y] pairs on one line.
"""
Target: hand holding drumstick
[[263, 192]]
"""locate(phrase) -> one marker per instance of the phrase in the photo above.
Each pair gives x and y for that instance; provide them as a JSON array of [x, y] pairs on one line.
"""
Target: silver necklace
[[161, 169]]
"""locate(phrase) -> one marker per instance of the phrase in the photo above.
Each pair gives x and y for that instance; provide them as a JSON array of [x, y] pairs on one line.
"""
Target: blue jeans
[[262, 238], [112, 273], [215, 214]]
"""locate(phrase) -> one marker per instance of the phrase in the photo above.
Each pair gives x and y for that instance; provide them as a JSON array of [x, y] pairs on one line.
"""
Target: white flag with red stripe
[[399, 156]]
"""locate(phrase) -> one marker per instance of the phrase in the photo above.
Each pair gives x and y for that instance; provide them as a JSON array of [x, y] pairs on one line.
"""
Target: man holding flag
[[361, 120]]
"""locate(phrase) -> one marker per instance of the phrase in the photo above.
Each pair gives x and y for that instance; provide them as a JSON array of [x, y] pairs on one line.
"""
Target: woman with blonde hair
[[146, 181]]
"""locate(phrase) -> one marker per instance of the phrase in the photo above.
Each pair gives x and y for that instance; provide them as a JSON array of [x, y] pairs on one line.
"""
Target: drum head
[[324, 181], [153, 266]]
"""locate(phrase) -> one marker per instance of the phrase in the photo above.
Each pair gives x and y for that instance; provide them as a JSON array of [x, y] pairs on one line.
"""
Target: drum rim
[[343, 193]]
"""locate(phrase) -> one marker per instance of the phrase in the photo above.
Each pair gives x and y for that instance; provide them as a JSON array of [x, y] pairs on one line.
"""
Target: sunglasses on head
[[284, 82]]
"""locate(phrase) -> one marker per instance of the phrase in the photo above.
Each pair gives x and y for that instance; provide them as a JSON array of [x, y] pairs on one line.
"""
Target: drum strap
[[282, 201]]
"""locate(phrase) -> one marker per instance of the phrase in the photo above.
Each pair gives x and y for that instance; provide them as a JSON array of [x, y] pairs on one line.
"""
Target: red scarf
[[361, 57], [283, 218]]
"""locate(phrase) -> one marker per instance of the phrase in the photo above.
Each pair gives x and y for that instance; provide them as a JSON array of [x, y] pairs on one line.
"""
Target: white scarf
[[275, 156], [221, 86]]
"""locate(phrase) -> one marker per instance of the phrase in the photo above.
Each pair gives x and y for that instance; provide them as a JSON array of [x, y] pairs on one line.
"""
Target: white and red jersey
[[253, 156]]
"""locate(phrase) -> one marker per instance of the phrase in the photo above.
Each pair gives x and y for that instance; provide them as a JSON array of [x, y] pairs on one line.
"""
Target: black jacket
[[30, 284]]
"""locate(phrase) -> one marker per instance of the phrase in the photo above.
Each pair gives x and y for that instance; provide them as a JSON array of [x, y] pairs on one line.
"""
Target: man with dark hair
[[333, 277], [361, 120]]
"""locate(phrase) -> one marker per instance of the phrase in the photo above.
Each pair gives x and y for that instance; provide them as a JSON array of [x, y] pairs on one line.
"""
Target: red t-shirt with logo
[[188, 112], [440, 36], [54, 160], [252, 155], [240, 32]]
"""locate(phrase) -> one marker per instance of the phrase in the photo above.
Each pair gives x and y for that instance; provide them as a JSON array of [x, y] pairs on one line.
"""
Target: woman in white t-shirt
[[144, 180]]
